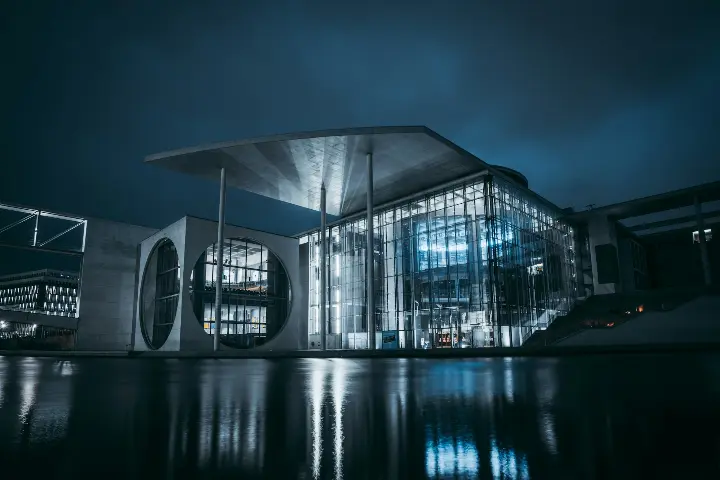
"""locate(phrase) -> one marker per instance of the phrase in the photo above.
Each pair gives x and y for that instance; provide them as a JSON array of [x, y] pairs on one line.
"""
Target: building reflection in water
[[34, 401], [342, 418], [449, 456]]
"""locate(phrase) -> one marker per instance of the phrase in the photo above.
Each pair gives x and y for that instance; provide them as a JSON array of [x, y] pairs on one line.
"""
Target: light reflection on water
[[338, 393], [316, 391], [342, 418]]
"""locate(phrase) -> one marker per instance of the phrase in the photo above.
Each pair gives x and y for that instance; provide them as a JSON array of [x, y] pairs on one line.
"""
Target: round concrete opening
[[256, 293], [159, 294]]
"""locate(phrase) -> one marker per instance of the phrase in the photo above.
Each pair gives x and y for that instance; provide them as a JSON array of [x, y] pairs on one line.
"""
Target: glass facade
[[256, 293], [480, 264]]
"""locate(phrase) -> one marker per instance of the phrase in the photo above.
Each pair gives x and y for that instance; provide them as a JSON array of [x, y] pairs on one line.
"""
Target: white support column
[[703, 243], [369, 258], [219, 262], [37, 220], [323, 268]]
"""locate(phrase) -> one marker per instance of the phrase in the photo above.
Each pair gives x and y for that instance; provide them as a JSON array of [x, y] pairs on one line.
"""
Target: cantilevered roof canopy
[[292, 167]]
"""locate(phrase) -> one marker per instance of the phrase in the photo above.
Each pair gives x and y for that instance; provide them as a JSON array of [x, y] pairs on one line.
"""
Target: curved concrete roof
[[292, 167], [513, 174]]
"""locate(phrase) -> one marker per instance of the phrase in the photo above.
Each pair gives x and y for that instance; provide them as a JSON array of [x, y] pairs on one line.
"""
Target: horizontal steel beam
[[43, 249], [712, 216], [36, 211]]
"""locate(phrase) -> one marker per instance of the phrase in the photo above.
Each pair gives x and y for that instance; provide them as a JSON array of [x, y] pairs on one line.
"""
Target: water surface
[[642, 416]]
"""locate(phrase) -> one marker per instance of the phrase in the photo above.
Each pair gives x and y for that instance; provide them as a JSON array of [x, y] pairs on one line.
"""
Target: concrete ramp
[[694, 322]]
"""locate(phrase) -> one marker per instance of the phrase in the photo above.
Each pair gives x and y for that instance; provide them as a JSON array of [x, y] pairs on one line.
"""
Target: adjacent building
[[50, 292]]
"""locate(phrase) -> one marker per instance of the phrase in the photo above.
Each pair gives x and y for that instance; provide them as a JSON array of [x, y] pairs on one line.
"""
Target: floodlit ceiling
[[291, 168]]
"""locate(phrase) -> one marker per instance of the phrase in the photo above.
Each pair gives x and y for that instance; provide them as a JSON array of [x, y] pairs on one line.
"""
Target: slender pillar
[[323, 268], [369, 257], [35, 234], [703, 242], [219, 261]]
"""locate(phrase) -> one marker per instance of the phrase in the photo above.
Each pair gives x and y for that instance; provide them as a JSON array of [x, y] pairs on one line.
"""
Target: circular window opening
[[255, 293], [159, 294]]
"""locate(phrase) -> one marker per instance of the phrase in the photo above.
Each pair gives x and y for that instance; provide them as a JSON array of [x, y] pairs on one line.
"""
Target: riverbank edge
[[433, 354]]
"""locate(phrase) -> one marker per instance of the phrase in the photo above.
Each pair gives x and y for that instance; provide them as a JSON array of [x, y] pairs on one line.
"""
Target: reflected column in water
[[339, 379], [316, 392]]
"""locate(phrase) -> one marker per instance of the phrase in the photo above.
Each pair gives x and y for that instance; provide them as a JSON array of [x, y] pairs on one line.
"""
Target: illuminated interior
[[255, 298], [708, 235], [480, 264]]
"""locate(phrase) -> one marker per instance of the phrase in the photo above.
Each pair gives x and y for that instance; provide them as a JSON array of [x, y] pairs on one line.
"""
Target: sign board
[[390, 339]]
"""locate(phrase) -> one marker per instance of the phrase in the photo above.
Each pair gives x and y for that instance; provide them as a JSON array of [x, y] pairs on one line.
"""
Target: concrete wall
[[627, 272], [693, 322], [674, 260], [108, 285], [601, 231], [191, 237]]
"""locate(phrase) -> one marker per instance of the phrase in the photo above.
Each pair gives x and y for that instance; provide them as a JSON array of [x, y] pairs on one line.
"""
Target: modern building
[[428, 247], [433, 248]]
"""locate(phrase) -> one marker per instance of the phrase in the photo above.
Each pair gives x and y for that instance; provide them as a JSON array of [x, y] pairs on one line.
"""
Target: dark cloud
[[595, 102]]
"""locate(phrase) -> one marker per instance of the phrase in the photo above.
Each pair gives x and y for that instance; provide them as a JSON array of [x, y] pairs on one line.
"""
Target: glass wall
[[480, 264], [256, 293], [532, 263]]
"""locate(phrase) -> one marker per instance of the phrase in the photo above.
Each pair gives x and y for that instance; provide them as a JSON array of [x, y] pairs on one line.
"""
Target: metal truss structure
[[28, 228]]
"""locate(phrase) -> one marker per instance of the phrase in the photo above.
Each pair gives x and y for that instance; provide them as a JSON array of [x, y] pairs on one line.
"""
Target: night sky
[[594, 104]]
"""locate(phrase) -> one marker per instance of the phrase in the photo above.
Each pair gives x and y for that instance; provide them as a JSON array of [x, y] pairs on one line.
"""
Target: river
[[575, 417]]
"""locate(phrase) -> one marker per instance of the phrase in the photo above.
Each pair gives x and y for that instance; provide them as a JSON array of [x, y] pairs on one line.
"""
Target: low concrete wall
[[694, 322], [437, 354]]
